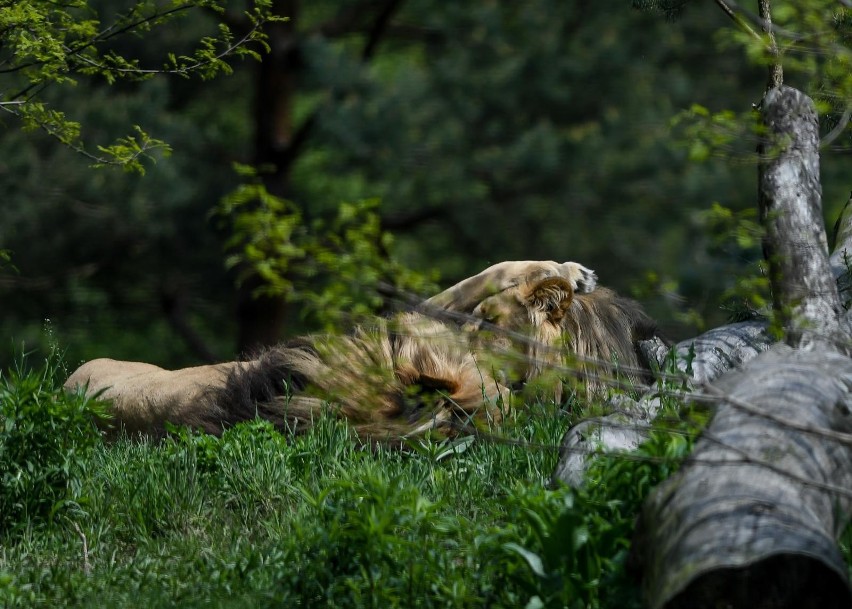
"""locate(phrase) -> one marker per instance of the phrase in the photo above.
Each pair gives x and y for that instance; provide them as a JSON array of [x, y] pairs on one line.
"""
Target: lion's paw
[[583, 279]]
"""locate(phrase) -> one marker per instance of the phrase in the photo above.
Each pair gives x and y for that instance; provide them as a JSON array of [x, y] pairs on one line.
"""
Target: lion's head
[[522, 327], [539, 326]]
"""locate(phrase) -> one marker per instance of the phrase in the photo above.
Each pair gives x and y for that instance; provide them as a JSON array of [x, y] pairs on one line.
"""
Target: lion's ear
[[552, 295]]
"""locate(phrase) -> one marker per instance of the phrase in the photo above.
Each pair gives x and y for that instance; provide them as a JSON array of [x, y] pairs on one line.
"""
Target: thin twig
[[737, 18], [87, 566], [180, 71], [776, 72], [838, 129]]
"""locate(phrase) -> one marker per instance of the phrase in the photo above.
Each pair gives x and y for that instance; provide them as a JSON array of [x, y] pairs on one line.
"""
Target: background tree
[[548, 123]]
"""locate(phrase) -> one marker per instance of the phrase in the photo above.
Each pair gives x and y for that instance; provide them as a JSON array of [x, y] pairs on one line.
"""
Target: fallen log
[[700, 359], [752, 518]]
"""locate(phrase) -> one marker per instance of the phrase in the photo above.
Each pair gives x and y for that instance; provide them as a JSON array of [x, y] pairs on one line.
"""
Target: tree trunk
[[278, 142], [262, 319], [790, 197], [752, 517]]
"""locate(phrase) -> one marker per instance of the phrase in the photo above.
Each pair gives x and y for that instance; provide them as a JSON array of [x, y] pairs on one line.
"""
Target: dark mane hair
[[389, 379], [603, 329]]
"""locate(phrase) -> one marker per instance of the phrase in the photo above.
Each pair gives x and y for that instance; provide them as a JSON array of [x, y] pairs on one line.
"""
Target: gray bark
[[708, 356], [752, 517], [803, 286], [624, 429], [751, 520], [712, 354]]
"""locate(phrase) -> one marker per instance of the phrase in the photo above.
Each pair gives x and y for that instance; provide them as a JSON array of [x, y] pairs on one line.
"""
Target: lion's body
[[145, 396], [390, 379], [400, 376]]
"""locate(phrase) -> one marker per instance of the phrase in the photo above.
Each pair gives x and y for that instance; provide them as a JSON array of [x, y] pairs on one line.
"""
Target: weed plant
[[45, 438], [257, 519]]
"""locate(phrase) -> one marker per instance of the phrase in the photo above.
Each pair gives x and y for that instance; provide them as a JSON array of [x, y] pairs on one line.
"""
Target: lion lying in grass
[[388, 379], [394, 377]]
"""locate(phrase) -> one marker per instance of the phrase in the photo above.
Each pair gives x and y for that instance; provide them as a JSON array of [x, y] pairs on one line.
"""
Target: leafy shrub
[[337, 268], [376, 540], [45, 436], [575, 542]]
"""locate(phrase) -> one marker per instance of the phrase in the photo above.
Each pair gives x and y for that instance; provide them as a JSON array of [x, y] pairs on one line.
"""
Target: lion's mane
[[542, 316]]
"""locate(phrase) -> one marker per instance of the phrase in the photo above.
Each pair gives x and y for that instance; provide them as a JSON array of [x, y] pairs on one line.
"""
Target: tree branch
[[379, 28], [776, 73], [737, 18], [285, 156]]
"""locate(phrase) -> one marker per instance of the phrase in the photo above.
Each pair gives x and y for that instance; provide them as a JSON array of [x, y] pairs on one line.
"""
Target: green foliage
[[813, 40], [652, 285], [45, 439], [258, 519], [481, 150], [6, 262], [724, 134], [128, 152], [385, 540], [726, 226], [45, 44], [737, 236], [576, 542], [337, 269]]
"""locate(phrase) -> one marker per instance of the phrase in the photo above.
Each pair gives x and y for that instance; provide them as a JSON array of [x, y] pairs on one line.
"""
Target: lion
[[393, 377], [390, 379], [552, 316], [144, 397]]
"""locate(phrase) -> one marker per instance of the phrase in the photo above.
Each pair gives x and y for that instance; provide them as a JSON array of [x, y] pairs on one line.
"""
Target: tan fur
[[390, 379], [382, 376], [144, 396], [464, 296]]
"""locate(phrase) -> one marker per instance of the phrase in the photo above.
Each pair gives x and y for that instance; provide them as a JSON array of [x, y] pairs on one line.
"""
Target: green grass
[[256, 519]]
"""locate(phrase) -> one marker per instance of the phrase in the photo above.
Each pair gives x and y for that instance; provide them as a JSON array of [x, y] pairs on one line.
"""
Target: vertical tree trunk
[[262, 319], [790, 197]]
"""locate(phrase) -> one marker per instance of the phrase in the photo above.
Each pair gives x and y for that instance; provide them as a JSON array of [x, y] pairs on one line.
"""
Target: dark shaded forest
[[488, 131]]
